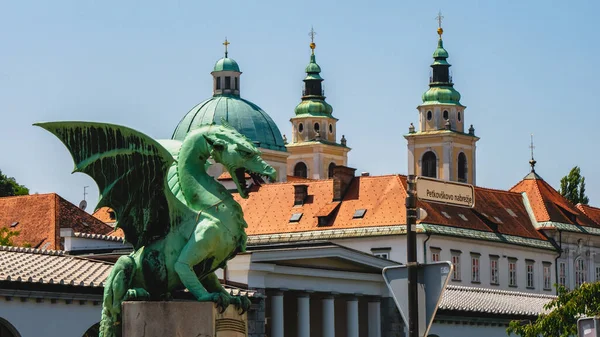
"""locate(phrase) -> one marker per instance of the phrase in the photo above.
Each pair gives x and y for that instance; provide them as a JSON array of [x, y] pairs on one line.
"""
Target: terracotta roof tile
[[548, 205], [592, 212], [269, 208], [39, 218], [105, 214]]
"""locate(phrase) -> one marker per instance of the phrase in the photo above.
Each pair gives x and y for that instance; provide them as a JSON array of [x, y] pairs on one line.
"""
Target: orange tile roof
[[592, 212], [269, 208], [548, 205], [40, 217], [104, 214], [226, 176]]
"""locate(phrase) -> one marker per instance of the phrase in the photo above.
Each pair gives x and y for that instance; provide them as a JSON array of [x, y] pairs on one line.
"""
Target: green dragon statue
[[182, 223]]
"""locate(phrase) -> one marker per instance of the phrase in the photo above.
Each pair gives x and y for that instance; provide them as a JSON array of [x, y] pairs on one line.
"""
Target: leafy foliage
[[561, 320], [9, 187], [572, 187], [6, 236]]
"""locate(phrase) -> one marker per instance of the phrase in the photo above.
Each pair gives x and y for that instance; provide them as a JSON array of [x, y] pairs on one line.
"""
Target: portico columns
[[374, 317], [352, 317], [277, 314], [328, 316], [303, 315]]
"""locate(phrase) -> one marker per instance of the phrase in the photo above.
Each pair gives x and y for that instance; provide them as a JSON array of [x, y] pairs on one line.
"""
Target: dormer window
[[227, 82], [218, 83]]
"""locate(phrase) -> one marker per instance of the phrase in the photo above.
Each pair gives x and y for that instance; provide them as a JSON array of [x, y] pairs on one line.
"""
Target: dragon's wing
[[130, 169]]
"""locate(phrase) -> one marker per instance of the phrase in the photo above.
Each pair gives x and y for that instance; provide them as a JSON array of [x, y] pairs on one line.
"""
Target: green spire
[[441, 89], [313, 100]]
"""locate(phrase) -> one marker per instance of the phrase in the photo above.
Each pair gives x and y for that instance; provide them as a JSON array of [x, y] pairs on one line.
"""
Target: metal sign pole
[[411, 258]]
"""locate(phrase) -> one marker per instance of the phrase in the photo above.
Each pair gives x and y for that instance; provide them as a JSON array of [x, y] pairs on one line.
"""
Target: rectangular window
[[237, 83], [435, 254], [218, 83], [456, 264], [529, 265], [562, 274], [494, 279], [597, 273], [383, 253], [547, 276], [227, 82], [475, 268], [580, 272], [512, 272]]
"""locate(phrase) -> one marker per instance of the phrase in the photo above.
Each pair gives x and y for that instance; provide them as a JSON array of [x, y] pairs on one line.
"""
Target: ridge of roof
[[538, 194], [29, 250], [29, 195], [98, 236]]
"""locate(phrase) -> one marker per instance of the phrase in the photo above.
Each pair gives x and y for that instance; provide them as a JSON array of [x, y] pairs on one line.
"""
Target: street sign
[[431, 283], [445, 192], [588, 327]]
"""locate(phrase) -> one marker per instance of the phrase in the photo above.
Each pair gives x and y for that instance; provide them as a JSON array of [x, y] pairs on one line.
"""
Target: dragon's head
[[239, 156]]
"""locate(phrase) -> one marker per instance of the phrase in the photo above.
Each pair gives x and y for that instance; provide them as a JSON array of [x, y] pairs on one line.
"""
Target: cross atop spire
[[312, 34], [532, 161], [439, 19], [226, 43]]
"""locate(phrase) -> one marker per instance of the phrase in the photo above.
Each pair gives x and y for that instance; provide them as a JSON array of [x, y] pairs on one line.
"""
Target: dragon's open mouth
[[240, 177]]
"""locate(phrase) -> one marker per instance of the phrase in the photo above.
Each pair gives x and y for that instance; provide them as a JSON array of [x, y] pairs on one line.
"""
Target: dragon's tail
[[115, 292]]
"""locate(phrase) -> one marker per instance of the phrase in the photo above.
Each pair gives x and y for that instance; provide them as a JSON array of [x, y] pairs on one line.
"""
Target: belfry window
[[300, 170], [459, 116], [218, 83], [462, 167], [445, 114], [237, 84], [317, 128], [429, 115], [330, 170], [300, 127], [429, 165], [227, 82]]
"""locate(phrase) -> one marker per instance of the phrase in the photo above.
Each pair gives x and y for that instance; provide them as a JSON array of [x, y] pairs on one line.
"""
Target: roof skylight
[[14, 224], [296, 217], [498, 219], [462, 216], [446, 215], [510, 211], [359, 213]]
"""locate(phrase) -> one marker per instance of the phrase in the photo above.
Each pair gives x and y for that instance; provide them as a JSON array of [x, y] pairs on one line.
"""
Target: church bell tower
[[441, 147]]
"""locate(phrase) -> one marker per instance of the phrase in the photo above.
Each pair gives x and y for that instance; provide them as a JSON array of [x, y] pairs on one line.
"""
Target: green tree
[[6, 236], [9, 187], [572, 187], [563, 312]]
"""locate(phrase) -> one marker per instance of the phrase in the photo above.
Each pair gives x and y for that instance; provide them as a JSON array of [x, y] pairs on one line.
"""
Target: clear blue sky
[[521, 66]]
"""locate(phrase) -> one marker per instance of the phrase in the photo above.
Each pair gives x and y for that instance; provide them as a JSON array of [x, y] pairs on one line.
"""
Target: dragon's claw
[[222, 301]]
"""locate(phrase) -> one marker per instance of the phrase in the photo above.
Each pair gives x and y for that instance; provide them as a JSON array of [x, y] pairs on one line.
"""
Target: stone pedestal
[[179, 318]]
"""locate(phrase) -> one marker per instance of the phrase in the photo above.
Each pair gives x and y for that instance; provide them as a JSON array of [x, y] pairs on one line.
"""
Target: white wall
[[32, 319], [465, 330], [466, 246]]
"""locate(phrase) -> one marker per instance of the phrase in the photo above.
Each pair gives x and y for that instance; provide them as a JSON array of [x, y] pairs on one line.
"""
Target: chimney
[[364, 174], [300, 194], [342, 177]]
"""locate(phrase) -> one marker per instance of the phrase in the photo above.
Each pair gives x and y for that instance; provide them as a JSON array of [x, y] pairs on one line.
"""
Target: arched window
[[330, 128], [429, 165], [300, 170], [317, 128], [429, 115], [218, 83], [330, 170], [93, 331], [446, 114], [459, 116], [300, 127], [580, 272], [7, 329], [462, 167]]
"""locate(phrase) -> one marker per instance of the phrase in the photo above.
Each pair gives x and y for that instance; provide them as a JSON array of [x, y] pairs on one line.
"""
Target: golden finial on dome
[[439, 19], [312, 39]]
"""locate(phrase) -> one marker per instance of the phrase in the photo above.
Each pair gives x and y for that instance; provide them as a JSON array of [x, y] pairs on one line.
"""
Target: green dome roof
[[226, 64], [313, 107], [246, 117], [444, 94], [440, 52]]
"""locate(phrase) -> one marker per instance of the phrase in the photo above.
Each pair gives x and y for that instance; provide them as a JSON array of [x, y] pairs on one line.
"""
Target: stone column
[[328, 316], [277, 314], [374, 317], [303, 315], [352, 317]]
